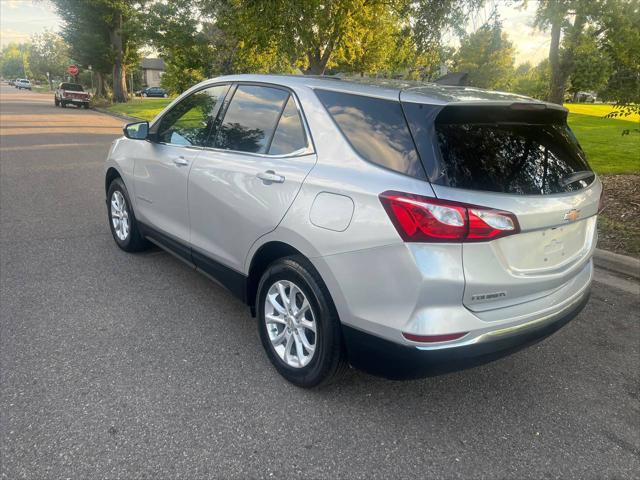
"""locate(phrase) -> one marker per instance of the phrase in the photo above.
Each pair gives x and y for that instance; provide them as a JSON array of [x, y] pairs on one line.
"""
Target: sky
[[19, 19]]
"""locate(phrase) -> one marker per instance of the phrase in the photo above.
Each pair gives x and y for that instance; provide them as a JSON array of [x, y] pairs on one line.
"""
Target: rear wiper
[[575, 177]]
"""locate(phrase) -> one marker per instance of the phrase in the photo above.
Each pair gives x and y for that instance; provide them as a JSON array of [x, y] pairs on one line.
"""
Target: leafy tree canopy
[[488, 57]]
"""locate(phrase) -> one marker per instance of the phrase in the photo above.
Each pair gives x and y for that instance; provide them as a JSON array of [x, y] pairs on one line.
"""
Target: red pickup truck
[[71, 94]]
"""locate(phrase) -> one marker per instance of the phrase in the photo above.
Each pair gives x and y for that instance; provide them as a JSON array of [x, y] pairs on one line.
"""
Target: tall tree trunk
[[556, 88], [119, 74], [315, 63], [318, 61], [100, 90]]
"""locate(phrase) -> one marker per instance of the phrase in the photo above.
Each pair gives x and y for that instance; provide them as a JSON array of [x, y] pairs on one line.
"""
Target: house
[[152, 70]]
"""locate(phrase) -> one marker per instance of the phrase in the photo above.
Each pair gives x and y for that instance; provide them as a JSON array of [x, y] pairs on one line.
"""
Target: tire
[[132, 241], [328, 360], [63, 104], [56, 102]]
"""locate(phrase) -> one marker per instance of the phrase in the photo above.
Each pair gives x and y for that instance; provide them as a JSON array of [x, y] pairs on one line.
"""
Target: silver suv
[[406, 230]]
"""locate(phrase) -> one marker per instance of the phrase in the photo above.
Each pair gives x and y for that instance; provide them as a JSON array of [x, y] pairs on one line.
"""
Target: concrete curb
[[117, 115], [616, 263]]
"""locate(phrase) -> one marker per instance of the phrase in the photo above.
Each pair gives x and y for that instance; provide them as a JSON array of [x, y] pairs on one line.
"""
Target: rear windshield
[[528, 153], [72, 87]]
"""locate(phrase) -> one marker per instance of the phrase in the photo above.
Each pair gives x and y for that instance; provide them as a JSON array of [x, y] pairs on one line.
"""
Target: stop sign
[[73, 70]]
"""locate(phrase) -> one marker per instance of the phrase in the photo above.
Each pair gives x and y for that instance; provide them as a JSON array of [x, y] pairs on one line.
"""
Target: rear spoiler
[[515, 112]]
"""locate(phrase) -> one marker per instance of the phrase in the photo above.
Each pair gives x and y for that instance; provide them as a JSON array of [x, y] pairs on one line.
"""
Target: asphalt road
[[134, 366]]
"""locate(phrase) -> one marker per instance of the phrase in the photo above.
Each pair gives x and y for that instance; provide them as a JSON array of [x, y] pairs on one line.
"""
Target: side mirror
[[136, 131]]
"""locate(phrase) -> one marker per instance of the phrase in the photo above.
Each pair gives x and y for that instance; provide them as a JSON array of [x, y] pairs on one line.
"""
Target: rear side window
[[376, 129], [499, 150], [251, 118], [289, 135]]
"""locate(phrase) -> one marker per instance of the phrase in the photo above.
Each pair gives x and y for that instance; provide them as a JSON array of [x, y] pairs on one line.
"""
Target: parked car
[[71, 94], [407, 231], [152, 92], [23, 84], [12, 83]]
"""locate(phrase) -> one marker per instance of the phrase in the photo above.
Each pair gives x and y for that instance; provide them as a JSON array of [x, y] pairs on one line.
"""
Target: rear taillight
[[425, 219]]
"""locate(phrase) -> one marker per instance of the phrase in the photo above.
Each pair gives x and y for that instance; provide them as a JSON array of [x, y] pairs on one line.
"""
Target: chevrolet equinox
[[407, 230]]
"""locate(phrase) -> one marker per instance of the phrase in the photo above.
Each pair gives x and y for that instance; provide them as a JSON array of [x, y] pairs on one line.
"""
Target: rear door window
[[251, 118], [289, 136], [376, 129], [501, 150]]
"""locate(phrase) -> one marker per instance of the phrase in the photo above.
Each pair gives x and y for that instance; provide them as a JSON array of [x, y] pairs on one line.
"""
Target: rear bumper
[[391, 360]]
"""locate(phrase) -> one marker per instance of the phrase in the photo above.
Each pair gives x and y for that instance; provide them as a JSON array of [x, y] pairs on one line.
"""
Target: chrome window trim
[[301, 152]]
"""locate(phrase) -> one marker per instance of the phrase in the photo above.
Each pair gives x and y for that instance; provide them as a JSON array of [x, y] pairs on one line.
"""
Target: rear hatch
[[520, 158]]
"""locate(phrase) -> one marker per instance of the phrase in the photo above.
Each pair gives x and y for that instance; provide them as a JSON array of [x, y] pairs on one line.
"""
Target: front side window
[[251, 119], [289, 136], [189, 123], [376, 129]]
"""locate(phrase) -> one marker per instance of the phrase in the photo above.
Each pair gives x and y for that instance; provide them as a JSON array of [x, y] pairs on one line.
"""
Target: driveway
[[134, 366]]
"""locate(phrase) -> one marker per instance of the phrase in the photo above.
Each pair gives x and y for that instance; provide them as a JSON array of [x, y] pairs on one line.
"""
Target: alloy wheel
[[291, 324], [120, 215]]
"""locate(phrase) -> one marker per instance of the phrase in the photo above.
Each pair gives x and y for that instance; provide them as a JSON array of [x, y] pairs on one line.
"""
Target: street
[[134, 366]]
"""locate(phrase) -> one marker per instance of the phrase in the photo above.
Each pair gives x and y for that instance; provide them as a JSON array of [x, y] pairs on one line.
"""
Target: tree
[[49, 55], [433, 18], [357, 35], [102, 33], [308, 32], [487, 56], [591, 67], [184, 37], [577, 26], [622, 44], [14, 61], [379, 43], [532, 81]]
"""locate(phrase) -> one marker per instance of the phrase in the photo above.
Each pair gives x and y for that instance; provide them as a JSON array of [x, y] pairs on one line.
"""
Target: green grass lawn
[[601, 138], [607, 149], [145, 109]]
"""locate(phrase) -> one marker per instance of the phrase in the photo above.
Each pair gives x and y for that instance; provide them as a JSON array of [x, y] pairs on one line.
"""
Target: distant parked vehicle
[[23, 84], [152, 92], [12, 83], [71, 94]]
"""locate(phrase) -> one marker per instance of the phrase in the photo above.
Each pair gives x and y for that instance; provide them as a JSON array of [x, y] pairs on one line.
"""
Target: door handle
[[181, 161], [270, 177]]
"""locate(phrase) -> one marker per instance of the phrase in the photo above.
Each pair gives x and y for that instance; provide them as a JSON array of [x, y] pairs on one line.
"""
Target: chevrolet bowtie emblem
[[572, 215]]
